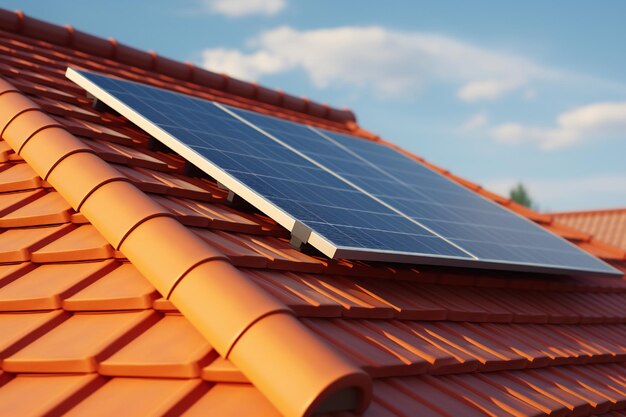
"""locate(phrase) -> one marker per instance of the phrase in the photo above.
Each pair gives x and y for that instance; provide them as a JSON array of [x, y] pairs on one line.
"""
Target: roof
[[129, 285], [608, 225]]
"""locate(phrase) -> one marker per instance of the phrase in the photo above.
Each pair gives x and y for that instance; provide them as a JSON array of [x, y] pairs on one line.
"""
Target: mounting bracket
[[299, 235], [234, 199], [100, 105]]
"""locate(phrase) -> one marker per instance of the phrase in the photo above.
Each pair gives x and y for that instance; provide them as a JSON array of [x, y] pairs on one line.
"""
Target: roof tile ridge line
[[594, 240], [589, 212], [296, 385], [51, 31], [608, 247]]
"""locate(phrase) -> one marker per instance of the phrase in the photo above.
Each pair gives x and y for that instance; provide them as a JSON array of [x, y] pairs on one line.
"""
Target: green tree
[[520, 195]]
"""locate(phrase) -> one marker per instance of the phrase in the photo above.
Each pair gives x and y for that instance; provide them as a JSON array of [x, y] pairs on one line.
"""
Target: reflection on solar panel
[[348, 197]]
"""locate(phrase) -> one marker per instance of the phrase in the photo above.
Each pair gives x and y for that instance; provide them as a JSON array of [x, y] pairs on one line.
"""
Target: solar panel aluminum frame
[[293, 225]]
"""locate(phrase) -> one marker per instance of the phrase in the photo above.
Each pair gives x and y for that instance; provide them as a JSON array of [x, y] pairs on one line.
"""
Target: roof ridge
[[589, 212], [67, 36], [241, 320]]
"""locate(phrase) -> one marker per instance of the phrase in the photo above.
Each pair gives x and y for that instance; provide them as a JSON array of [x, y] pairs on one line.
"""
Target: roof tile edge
[[235, 322], [615, 210], [67, 36]]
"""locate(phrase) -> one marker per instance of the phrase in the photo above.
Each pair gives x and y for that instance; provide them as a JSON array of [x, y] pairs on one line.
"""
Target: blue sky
[[495, 91]]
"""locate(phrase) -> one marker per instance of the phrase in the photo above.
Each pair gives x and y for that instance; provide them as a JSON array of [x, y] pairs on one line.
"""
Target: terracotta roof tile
[[504, 336], [47, 394], [94, 337], [164, 305], [124, 288], [183, 213], [480, 394], [46, 286], [9, 202], [128, 206], [17, 177], [20, 329], [219, 217], [48, 209], [10, 272], [179, 187], [81, 244], [232, 248], [375, 358], [119, 396], [433, 394], [231, 400], [5, 153], [223, 370], [281, 255], [298, 295], [17, 245], [606, 225], [183, 356]]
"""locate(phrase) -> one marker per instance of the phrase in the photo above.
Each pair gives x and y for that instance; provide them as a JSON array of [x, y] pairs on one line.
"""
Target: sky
[[495, 91]]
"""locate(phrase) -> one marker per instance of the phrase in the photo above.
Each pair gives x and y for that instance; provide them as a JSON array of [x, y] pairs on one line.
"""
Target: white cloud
[[511, 133], [243, 8], [582, 193], [487, 89], [586, 123], [237, 64], [386, 62], [476, 121]]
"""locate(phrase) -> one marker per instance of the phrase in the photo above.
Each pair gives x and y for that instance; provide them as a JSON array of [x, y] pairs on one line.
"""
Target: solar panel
[[347, 197], [481, 227]]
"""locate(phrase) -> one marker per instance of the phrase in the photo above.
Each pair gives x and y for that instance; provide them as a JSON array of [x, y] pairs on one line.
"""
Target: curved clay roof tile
[[237, 317]]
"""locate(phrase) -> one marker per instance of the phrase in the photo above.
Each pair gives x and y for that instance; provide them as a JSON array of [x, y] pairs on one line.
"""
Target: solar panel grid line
[[395, 178], [360, 199], [341, 178], [532, 229], [388, 205]]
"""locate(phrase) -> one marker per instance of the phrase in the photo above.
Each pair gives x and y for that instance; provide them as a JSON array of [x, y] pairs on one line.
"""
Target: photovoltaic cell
[[358, 199]]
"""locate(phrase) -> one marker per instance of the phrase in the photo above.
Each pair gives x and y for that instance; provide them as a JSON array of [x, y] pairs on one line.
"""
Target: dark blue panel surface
[[337, 211], [481, 227]]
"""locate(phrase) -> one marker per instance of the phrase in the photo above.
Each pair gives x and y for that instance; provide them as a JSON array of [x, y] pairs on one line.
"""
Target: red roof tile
[[609, 226], [165, 299], [182, 352]]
